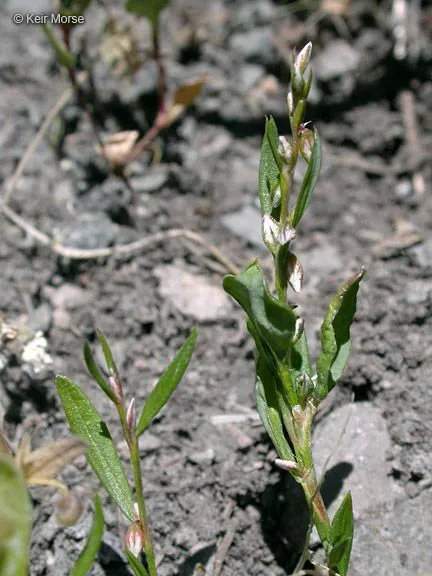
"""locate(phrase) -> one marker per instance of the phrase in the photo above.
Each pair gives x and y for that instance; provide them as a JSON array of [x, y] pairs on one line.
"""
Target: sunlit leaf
[[111, 365], [86, 423], [269, 167], [309, 182], [335, 335], [15, 520], [86, 559], [96, 373], [341, 536], [167, 383], [273, 320]]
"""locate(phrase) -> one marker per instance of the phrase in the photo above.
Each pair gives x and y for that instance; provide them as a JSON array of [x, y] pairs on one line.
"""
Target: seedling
[[289, 389], [87, 424], [122, 148]]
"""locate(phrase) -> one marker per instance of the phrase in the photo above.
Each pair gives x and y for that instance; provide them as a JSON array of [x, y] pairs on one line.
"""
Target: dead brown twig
[[407, 105]]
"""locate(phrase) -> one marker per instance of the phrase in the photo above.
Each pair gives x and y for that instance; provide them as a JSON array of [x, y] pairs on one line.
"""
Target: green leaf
[[86, 559], [269, 167], [111, 365], [167, 383], [148, 8], [74, 7], [65, 58], [335, 335], [339, 551], [309, 182], [300, 360], [137, 568], [267, 404], [86, 422], [15, 520], [341, 536], [96, 373], [274, 321]]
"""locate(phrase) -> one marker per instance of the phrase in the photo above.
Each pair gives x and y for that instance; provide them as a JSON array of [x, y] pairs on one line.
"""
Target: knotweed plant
[[23, 467], [289, 388]]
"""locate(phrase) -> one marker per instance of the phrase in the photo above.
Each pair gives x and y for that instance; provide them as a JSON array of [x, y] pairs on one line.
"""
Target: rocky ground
[[213, 492]]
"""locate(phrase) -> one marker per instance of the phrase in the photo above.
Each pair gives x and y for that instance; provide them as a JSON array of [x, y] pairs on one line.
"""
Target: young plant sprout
[[289, 388], [87, 424]]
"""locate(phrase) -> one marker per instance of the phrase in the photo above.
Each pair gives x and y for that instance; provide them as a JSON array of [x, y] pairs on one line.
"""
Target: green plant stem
[[148, 545], [132, 442], [160, 67]]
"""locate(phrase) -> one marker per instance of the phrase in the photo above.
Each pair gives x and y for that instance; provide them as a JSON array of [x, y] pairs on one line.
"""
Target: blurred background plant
[[119, 49]]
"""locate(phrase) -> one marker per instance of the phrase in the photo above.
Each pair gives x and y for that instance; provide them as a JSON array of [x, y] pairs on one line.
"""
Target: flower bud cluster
[[300, 86]]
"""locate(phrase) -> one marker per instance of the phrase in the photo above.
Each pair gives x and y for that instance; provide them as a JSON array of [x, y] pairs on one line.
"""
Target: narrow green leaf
[[111, 365], [339, 551], [300, 360], [86, 422], [273, 320], [96, 373], [167, 383], [309, 182], [335, 335], [341, 535], [269, 167], [15, 520], [267, 404], [148, 8], [65, 58], [86, 559], [137, 568]]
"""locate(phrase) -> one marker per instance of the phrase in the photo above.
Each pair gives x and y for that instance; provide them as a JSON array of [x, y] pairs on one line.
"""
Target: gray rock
[[253, 13], [359, 463], [22, 6], [337, 59], [40, 318], [396, 543], [68, 296], [204, 458], [192, 295], [90, 231], [246, 223], [249, 75], [423, 253], [255, 45], [321, 261], [152, 181]]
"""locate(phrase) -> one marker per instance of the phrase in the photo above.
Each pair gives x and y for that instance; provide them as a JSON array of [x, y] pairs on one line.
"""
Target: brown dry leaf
[[189, 91], [117, 147], [184, 96], [43, 464]]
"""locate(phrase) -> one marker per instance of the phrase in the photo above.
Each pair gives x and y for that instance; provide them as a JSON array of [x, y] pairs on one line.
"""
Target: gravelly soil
[[206, 478]]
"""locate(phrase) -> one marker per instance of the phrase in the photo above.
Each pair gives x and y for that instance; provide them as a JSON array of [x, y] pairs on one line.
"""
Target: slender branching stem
[[132, 442]]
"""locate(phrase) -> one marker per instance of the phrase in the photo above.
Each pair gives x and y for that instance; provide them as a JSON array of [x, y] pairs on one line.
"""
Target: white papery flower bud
[[270, 231], [303, 57]]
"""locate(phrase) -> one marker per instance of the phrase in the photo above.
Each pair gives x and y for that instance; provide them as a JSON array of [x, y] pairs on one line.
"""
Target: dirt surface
[[213, 492]]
